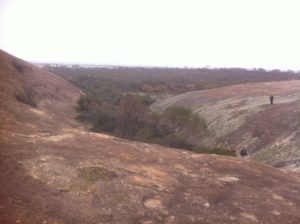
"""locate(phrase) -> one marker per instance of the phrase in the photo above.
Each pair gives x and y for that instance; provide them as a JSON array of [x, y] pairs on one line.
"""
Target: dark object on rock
[[26, 97], [271, 99], [243, 152], [21, 67]]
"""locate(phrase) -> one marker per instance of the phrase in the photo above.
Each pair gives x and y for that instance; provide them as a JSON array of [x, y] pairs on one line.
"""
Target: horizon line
[[157, 66]]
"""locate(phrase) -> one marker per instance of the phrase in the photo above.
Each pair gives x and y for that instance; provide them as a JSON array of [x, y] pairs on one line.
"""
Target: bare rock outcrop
[[54, 171]]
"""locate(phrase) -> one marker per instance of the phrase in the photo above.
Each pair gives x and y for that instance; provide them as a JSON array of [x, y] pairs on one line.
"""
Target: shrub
[[105, 120], [178, 117], [214, 150], [175, 140]]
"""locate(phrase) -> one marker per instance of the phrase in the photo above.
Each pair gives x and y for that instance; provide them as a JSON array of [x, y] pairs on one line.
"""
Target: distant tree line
[[166, 80]]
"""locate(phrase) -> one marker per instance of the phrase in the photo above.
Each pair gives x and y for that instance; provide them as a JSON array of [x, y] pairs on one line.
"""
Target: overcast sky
[[215, 33]]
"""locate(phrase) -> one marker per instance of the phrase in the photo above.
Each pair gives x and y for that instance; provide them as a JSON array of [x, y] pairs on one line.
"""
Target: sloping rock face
[[241, 117], [31, 96], [53, 171]]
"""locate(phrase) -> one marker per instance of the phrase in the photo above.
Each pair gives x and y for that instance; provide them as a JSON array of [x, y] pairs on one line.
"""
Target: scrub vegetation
[[165, 80], [128, 116], [117, 100]]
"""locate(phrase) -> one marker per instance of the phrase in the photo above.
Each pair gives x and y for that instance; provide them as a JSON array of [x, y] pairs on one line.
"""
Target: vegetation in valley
[[117, 100], [128, 116]]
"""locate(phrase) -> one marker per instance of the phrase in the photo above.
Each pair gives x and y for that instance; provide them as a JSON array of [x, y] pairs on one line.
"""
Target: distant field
[[166, 80]]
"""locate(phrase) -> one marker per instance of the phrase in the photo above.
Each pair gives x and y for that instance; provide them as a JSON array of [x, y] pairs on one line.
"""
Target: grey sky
[[216, 33]]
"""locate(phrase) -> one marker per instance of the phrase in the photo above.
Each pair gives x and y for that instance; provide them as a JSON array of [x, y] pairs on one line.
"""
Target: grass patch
[[93, 174], [122, 198], [215, 150]]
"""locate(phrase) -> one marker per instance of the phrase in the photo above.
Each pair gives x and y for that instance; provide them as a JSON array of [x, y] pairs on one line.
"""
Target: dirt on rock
[[54, 171]]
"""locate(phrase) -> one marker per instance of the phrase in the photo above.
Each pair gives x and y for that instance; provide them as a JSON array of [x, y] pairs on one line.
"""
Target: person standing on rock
[[271, 99]]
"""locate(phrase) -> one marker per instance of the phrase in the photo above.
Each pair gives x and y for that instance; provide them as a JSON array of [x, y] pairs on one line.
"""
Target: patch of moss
[[94, 174], [122, 198]]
